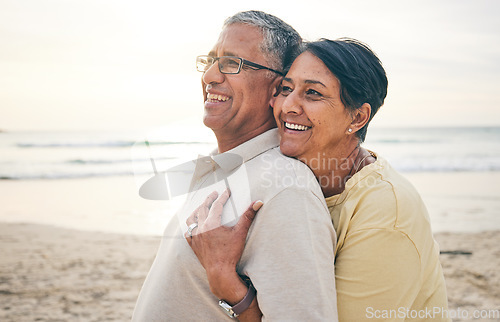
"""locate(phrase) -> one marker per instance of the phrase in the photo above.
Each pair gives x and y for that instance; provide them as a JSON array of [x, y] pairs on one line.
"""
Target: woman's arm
[[219, 248], [288, 255]]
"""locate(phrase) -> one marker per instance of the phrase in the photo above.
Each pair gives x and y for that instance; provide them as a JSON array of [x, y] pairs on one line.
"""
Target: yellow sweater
[[386, 261]]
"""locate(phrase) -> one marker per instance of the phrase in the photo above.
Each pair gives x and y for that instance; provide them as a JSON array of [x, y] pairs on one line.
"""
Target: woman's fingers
[[215, 214], [256, 205], [248, 216], [190, 232], [218, 205], [192, 218], [205, 207], [209, 215], [188, 239], [200, 214], [210, 199]]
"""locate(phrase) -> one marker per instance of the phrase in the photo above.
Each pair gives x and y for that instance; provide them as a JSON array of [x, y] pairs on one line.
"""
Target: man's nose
[[213, 75]]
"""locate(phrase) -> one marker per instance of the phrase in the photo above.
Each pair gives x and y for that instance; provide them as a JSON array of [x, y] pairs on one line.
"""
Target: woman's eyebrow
[[310, 81], [307, 81]]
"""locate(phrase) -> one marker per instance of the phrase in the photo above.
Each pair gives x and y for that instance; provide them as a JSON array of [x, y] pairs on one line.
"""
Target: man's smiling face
[[236, 104]]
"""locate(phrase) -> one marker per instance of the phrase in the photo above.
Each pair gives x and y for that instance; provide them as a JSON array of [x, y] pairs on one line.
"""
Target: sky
[[121, 64]]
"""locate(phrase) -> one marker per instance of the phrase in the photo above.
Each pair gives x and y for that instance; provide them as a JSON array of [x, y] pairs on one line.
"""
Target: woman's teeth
[[216, 98], [296, 127]]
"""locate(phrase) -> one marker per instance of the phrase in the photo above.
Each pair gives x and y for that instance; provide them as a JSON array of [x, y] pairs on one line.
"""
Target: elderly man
[[288, 256]]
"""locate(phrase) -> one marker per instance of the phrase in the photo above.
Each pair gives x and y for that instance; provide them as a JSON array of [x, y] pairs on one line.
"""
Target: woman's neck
[[333, 168]]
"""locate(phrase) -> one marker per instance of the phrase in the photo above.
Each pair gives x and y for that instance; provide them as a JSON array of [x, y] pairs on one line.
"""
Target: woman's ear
[[361, 117]]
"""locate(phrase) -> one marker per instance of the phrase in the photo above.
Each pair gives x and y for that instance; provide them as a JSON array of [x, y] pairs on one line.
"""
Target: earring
[[350, 130]]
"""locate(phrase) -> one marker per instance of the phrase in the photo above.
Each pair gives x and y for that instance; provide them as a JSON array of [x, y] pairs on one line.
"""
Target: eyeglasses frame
[[243, 62]]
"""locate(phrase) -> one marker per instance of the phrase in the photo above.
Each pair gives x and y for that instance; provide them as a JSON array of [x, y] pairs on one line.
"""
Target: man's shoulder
[[274, 160], [274, 170]]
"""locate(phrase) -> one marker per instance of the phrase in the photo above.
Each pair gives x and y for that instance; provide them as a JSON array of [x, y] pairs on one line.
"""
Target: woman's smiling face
[[309, 111]]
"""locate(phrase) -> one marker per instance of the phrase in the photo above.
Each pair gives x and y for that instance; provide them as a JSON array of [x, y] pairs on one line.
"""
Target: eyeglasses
[[228, 64]]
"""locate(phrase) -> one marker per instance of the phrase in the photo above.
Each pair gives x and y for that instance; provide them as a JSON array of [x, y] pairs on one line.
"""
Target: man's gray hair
[[281, 43]]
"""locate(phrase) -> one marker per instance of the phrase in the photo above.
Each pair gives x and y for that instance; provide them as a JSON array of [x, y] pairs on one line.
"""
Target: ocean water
[[91, 180], [63, 155], [60, 155]]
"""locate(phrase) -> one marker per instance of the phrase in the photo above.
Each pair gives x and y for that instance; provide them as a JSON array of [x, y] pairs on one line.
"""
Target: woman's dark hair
[[359, 71]]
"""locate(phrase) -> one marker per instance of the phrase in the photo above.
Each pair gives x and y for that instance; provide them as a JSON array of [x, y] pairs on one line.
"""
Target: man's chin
[[213, 122]]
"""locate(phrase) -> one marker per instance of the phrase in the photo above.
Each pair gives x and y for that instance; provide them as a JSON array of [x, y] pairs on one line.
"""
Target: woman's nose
[[292, 104]]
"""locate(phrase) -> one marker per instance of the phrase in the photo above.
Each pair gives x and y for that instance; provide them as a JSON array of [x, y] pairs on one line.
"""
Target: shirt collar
[[156, 188], [231, 160], [247, 150]]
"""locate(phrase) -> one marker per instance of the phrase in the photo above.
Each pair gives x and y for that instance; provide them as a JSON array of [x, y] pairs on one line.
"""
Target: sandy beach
[[56, 274], [79, 249]]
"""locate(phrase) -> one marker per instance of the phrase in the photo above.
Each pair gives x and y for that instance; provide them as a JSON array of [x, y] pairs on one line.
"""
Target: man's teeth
[[214, 97], [296, 127]]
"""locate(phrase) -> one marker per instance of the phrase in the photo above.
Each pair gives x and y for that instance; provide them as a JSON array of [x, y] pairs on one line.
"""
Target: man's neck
[[228, 141]]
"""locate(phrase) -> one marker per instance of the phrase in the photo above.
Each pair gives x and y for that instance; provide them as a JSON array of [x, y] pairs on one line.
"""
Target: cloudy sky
[[122, 64]]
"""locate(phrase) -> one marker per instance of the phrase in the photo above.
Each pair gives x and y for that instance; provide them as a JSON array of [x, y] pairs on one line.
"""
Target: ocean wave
[[403, 168], [464, 164], [113, 161], [405, 141], [107, 144], [66, 175], [60, 176], [63, 156], [430, 168]]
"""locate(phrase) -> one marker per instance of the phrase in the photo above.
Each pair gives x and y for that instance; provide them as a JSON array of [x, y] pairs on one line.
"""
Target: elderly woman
[[386, 260]]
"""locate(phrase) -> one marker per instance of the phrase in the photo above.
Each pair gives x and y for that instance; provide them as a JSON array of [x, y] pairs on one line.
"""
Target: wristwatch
[[235, 310]]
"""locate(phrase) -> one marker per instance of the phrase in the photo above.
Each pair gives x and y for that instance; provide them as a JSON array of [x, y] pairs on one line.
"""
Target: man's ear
[[271, 101], [361, 116], [276, 88]]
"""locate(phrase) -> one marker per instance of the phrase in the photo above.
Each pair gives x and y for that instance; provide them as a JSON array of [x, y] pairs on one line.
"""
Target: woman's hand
[[218, 247]]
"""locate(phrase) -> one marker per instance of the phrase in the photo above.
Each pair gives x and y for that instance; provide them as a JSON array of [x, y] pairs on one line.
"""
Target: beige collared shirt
[[289, 250]]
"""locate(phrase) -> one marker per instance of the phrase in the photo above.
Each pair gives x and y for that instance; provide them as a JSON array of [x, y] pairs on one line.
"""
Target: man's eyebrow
[[228, 53], [214, 54]]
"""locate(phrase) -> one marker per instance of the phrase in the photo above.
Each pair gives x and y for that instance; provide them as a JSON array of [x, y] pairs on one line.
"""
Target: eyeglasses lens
[[203, 63], [229, 65]]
